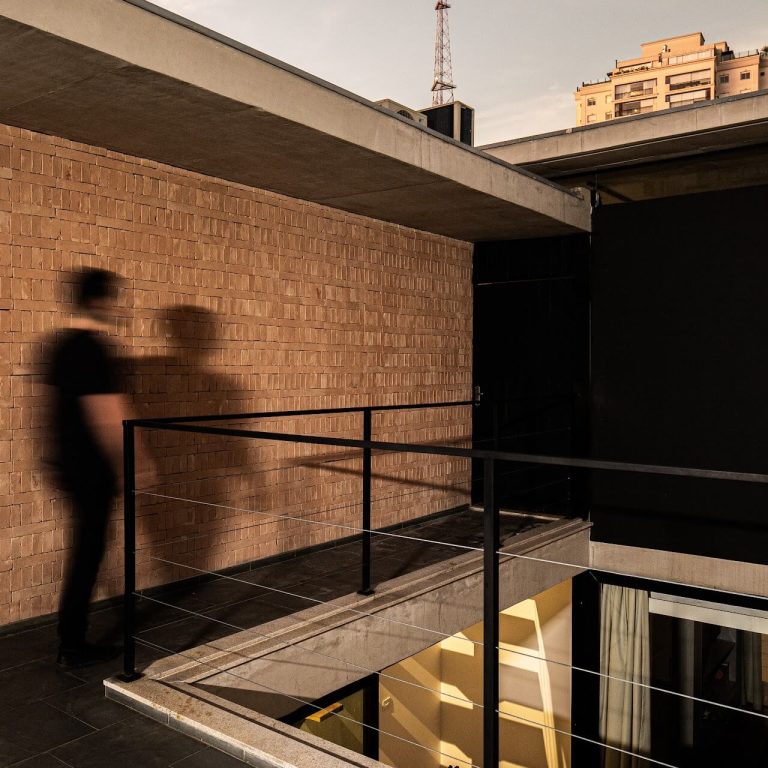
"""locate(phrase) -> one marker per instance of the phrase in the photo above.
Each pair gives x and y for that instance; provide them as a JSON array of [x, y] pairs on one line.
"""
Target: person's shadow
[[188, 518]]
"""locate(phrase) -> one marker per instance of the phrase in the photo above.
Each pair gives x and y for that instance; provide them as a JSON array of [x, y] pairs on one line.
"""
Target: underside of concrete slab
[[133, 78]]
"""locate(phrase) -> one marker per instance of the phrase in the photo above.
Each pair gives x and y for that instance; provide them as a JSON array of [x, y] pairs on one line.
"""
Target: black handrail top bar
[[309, 412], [464, 453]]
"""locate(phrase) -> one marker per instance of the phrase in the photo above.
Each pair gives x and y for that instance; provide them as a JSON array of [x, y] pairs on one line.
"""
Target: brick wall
[[235, 299]]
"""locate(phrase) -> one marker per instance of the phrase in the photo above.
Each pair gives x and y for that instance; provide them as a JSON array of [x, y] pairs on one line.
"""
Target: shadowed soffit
[[133, 78]]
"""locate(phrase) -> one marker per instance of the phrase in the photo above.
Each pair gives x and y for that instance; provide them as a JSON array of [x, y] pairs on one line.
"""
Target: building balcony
[[634, 94], [690, 84], [633, 111]]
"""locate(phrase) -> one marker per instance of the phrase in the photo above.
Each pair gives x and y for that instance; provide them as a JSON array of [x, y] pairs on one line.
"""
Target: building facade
[[672, 72]]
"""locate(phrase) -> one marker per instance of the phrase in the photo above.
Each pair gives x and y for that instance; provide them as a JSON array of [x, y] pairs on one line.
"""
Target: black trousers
[[92, 497]]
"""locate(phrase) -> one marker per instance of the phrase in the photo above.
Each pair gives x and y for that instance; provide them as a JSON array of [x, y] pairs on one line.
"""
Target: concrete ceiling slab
[[730, 123], [132, 78]]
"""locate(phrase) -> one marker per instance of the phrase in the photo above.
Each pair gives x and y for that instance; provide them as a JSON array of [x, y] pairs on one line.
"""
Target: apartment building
[[669, 73]]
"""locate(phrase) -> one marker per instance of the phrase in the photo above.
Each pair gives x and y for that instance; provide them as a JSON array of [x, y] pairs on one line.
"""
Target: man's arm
[[104, 414]]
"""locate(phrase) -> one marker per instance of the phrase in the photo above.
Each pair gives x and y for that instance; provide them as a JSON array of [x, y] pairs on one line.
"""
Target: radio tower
[[443, 85]]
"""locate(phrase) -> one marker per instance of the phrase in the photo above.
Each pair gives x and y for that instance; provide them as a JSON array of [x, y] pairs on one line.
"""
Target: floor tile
[[38, 728], [89, 704], [33, 645], [44, 760], [135, 743], [37, 680]]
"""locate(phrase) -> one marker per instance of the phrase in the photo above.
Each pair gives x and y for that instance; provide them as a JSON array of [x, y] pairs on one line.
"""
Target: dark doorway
[[531, 364]]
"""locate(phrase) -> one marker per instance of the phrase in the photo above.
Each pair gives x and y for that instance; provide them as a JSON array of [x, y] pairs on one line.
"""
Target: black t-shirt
[[82, 364]]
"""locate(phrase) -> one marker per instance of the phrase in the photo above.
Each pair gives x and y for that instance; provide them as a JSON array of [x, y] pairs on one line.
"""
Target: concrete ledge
[[248, 736], [698, 571]]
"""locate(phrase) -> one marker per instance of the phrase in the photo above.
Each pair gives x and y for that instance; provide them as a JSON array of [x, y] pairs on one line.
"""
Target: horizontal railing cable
[[284, 644], [445, 636], [295, 698], [275, 515], [462, 547], [304, 702], [338, 526]]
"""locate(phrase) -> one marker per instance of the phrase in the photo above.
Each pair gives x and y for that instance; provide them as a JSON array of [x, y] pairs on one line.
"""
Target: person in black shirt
[[88, 409]]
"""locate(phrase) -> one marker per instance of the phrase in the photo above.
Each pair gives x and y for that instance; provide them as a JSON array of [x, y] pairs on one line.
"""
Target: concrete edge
[[577, 129], [245, 735], [227, 652]]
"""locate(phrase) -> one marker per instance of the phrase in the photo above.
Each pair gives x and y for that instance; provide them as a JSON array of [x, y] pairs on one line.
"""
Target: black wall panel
[[680, 370]]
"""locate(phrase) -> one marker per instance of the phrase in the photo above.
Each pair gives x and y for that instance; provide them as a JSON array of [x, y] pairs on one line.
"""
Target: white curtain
[[625, 653]]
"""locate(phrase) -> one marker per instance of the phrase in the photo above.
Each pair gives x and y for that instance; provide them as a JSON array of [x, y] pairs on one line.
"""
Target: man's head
[[96, 292]]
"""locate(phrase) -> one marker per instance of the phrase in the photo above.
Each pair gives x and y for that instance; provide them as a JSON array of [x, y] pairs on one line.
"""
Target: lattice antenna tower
[[443, 85]]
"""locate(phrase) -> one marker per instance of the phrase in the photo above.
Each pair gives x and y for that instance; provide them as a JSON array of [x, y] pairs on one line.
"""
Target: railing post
[[491, 543], [129, 544], [366, 588]]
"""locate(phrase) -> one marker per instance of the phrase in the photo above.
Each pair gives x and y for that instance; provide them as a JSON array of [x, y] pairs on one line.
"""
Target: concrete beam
[[729, 576], [700, 129], [133, 78]]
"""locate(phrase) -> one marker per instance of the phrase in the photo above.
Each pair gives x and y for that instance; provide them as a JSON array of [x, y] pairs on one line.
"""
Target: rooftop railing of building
[[742, 54], [492, 551]]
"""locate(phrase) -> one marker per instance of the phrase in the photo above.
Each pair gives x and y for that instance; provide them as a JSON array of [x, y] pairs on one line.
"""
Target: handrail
[[465, 453], [491, 524]]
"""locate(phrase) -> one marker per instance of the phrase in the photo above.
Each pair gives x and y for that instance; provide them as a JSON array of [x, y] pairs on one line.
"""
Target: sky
[[517, 62]]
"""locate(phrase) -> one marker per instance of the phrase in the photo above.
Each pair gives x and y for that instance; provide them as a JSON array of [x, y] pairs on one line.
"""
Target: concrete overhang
[[131, 77], [722, 125]]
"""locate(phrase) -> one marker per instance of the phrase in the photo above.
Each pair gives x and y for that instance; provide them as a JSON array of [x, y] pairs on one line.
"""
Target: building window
[[635, 107], [608, 115], [745, 76], [591, 118], [608, 99], [591, 101], [689, 97], [725, 79], [632, 90], [689, 79]]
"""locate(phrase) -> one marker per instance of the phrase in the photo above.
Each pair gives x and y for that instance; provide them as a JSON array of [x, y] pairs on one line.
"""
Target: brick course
[[235, 299]]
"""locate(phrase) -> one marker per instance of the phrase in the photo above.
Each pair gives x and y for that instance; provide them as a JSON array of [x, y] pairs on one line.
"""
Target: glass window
[[591, 118], [689, 97], [608, 115], [689, 79], [725, 79], [746, 75], [639, 88], [591, 101]]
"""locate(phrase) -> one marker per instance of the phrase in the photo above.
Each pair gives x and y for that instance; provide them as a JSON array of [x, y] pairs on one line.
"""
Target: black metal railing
[[491, 547]]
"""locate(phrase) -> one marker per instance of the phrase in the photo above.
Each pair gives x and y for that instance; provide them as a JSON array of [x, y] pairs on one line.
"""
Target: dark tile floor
[[50, 717]]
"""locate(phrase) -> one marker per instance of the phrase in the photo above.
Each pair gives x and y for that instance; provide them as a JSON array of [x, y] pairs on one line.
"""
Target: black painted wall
[[680, 370]]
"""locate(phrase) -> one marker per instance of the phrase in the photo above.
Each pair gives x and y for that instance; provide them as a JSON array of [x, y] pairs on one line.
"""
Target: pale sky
[[516, 62]]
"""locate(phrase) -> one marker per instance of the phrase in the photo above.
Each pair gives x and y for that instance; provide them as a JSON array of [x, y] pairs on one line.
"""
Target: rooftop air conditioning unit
[[403, 111]]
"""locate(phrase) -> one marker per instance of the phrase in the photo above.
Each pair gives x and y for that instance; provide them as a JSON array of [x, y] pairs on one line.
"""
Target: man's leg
[[92, 504]]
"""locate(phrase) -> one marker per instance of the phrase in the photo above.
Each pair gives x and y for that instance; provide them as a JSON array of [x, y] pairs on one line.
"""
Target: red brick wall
[[235, 299]]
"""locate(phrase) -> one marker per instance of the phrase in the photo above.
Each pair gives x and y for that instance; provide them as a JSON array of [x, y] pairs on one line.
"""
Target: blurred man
[[88, 409]]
